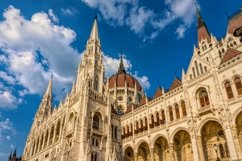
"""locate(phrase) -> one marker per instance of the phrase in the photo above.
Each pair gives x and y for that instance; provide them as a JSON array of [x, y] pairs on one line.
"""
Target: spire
[[15, 153], [48, 92], [10, 156], [94, 32], [121, 68], [199, 17], [202, 30]]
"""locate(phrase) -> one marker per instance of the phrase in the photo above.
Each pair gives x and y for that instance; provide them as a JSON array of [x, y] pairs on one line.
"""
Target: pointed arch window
[[96, 122], [152, 121], [184, 109], [229, 90], [171, 114], [157, 123], [238, 85], [163, 117], [96, 83], [141, 125], [177, 111], [203, 98]]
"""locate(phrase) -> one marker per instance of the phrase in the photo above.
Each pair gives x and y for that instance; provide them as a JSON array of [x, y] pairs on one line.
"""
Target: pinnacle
[[94, 32], [121, 68]]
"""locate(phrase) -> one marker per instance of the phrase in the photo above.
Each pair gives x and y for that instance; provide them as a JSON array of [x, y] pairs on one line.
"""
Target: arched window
[[46, 138], [171, 114], [152, 121], [41, 142], [136, 127], [157, 123], [131, 128], [96, 83], [95, 123], [141, 126], [163, 119], [203, 98], [228, 89], [146, 124], [184, 110], [238, 85], [177, 111], [51, 135], [127, 131], [57, 132]]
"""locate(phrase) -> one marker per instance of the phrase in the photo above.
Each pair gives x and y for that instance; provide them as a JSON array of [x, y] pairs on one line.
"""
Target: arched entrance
[[238, 123], [214, 142], [182, 146], [161, 149], [143, 152], [129, 154]]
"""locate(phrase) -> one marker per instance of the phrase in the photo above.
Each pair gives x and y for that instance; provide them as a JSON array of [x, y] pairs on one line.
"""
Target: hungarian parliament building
[[199, 118]]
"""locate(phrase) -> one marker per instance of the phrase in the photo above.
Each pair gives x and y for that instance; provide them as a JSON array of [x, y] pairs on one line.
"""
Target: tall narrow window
[[184, 110], [238, 85], [203, 98], [177, 111], [152, 121], [96, 83], [137, 128], [201, 68], [228, 90], [157, 119], [163, 120], [171, 114], [115, 132], [146, 124], [141, 125], [95, 122], [197, 68]]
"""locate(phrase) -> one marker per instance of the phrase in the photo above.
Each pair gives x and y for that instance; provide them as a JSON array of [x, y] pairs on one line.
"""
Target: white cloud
[[112, 10], [23, 41], [69, 11], [6, 129], [8, 101], [9, 79], [137, 18], [143, 80], [181, 31]]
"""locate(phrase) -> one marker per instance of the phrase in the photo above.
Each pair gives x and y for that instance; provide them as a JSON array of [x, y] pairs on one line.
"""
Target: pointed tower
[[202, 30], [91, 69], [10, 157], [45, 107], [121, 68]]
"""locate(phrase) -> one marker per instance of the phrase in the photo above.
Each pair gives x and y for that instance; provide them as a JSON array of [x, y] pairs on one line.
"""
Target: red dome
[[120, 78]]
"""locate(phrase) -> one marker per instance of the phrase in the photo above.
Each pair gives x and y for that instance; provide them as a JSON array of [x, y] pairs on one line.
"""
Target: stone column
[[195, 148], [236, 141], [200, 147], [53, 141], [135, 156], [231, 145], [152, 158], [172, 152]]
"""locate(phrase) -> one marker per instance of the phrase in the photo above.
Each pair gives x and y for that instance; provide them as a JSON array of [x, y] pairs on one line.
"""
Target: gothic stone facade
[[198, 119]]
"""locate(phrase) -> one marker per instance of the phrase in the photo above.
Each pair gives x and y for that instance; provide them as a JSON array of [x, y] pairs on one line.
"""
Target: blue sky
[[43, 38]]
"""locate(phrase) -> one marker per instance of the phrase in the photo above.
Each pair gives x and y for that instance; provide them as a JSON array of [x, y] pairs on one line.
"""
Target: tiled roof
[[120, 79], [176, 83], [235, 21], [230, 53], [158, 92]]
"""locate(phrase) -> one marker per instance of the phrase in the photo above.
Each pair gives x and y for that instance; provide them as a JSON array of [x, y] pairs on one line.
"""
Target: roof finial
[[94, 32], [15, 152], [121, 68], [199, 17]]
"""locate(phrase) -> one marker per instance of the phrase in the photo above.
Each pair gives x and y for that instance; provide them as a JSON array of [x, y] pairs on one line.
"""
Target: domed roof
[[121, 77]]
